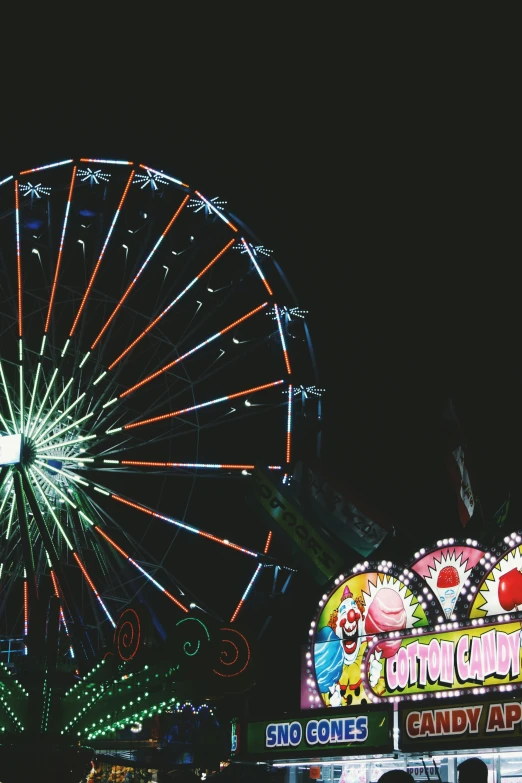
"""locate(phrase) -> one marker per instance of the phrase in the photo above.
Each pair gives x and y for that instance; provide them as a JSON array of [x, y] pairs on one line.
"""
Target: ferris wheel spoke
[[59, 259], [79, 629], [248, 249], [8, 399], [171, 305], [100, 257], [63, 622], [141, 269], [93, 588], [245, 594], [193, 350], [98, 359], [226, 397]]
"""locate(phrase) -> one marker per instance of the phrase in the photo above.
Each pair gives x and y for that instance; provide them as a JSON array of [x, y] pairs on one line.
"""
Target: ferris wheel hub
[[27, 451]]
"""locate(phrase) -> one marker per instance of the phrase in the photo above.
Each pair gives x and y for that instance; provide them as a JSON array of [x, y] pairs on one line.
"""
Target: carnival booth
[[414, 667]]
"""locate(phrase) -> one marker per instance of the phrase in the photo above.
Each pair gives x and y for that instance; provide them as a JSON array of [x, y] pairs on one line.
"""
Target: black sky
[[385, 183], [385, 186]]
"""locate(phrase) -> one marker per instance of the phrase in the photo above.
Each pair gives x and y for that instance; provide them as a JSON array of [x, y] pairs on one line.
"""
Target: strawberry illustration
[[448, 577]]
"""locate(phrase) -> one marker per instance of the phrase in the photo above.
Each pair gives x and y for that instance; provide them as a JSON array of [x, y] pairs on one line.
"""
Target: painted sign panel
[[328, 732], [482, 656], [361, 606], [501, 590], [312, 548], [467, 724], [446, 571]]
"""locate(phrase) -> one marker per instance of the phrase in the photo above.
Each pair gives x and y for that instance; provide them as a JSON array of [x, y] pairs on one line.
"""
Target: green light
[[52, 512], [7, 398], [56, 489], [69, 443], [38, 369], [44, 400], [21, 376], [60, 417], [53, 406]]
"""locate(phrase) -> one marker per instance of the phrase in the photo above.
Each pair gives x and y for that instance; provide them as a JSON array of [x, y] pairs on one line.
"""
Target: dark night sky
[[387, 193]]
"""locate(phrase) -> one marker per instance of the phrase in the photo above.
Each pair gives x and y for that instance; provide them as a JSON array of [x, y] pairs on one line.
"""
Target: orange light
[[165, 311], [238, 608], [86, 575], [59, 260], [130, 287], [180, 358], [98, 263], [268, 541], [18, 261], [118, 548], [195, 407], [211, 263], [55, 584]]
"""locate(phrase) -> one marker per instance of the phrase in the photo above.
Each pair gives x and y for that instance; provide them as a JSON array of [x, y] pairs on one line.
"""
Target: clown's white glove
[[374, 668]]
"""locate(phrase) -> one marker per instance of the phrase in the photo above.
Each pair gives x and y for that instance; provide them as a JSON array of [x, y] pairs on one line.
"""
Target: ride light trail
[[283, 343], [258, 269], [201, 405], [136, 565], [95, 271], [169, 307], [135, 280], [193, 350], [182, 525]]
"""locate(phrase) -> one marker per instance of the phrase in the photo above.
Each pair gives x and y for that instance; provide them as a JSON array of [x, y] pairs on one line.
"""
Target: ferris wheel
[[151, 354]]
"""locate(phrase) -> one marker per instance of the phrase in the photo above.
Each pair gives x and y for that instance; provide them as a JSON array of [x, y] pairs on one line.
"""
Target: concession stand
[[412, 667]]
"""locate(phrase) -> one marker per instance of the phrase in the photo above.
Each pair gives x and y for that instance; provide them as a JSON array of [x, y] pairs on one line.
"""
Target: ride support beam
[[78, 631]]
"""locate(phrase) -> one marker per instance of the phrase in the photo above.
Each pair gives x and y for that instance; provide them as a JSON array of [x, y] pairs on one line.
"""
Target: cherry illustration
[[510, 590]]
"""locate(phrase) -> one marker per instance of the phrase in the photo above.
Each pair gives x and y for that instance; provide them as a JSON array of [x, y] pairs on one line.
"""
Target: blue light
[[34, 223]]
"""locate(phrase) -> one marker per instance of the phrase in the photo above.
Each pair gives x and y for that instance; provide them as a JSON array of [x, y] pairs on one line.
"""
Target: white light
[[248, 403]]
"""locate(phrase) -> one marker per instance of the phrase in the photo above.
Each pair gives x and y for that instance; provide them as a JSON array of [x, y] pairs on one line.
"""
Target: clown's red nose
[[353, 615]]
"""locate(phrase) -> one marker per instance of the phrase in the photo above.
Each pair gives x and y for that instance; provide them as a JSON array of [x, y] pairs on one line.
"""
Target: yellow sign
[[484, 656]]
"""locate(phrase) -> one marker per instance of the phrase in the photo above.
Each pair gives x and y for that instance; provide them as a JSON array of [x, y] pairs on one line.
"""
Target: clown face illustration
[[350, 626]]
